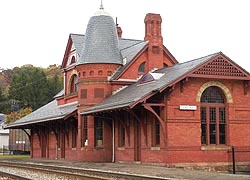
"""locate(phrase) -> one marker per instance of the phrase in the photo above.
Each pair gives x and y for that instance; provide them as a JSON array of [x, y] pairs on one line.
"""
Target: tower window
[[73, 84]]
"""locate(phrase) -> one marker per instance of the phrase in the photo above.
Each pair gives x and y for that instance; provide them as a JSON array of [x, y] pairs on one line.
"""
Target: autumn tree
[[13, 116]]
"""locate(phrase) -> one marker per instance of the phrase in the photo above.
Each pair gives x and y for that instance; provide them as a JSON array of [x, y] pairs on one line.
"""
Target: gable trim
[[171, 57], [67, 50], [217, 69]]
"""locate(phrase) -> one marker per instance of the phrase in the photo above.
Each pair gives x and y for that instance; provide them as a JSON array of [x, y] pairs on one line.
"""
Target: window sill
[[73, 149], [215, 148], [155, 148], [121, 148]]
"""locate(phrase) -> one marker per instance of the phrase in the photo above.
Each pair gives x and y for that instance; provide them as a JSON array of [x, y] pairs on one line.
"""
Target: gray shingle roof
[[59, 94], [50, 111], [128, 47], [78, 40], [101, 42], [137, 91]]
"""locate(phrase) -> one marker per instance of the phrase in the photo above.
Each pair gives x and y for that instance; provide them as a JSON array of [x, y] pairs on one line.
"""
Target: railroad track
[[78, 173], [11, 176]]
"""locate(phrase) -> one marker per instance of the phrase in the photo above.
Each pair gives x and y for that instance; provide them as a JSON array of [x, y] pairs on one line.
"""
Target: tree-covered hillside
[[28, 87]]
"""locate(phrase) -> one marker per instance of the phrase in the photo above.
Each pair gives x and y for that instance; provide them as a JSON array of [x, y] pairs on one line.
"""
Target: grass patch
[[7, 156]]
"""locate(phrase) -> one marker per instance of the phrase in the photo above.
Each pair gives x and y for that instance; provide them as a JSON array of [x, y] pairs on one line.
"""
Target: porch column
[[79, 132]]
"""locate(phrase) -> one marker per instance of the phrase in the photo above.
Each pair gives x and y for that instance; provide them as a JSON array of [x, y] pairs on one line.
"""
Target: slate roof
[[135, 92], [101, 41], [2, 117], [59, 94], [49, 112], [129, 48]]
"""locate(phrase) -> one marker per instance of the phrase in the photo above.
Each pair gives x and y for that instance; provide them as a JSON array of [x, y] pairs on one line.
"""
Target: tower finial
[[101, 7]]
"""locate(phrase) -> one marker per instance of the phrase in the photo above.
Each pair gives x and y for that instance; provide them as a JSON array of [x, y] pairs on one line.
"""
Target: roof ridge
[[213, 54], [77, 34], [131, 39]]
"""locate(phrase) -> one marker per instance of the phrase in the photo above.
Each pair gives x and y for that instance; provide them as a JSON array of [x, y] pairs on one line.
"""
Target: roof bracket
[[163, 126], [28, 134], [124, 125], [182, 82]]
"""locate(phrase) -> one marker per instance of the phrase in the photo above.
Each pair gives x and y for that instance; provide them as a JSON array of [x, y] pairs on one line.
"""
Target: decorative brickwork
[[217, 84]]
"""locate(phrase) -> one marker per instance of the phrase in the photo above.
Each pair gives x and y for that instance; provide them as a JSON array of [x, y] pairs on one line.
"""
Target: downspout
[[113, 141]]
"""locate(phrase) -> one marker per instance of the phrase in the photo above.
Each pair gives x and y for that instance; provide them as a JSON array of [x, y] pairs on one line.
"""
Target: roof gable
[[220, 67]]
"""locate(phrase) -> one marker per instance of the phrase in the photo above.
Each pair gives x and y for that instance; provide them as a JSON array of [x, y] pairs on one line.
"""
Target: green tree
[[55, 85], [2, 100], [29, 87]]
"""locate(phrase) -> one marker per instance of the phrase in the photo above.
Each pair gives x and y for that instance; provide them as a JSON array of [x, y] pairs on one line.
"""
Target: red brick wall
[[36, 146], [183, 143]]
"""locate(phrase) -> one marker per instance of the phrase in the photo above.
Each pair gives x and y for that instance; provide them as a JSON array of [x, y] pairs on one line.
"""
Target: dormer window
[[147, 78], [150, 77], [73, 84]]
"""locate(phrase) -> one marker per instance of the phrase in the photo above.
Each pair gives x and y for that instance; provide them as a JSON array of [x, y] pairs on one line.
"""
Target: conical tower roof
[[101, 40]]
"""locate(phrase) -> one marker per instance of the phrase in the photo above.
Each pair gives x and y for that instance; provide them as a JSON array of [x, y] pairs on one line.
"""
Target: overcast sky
[[36, 32]]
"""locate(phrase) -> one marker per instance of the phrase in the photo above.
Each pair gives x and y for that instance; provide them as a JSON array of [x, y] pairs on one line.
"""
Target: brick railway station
[[127, 100]]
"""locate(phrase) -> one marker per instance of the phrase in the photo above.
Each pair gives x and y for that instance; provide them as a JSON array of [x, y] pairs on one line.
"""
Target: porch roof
[[49, 112]]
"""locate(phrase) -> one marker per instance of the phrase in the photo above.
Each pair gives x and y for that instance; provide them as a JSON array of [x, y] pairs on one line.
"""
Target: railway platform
[[140, 169]]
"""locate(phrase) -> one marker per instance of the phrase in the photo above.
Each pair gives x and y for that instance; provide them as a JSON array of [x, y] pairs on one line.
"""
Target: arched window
[[141, 68], [73, 84], [213, 117], [73, 60]]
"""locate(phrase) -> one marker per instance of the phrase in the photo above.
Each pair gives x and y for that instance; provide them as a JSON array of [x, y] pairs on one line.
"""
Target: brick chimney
[[118, 28], [153, 35]]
